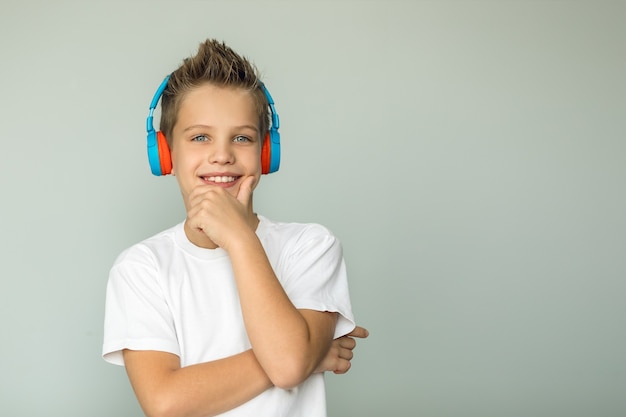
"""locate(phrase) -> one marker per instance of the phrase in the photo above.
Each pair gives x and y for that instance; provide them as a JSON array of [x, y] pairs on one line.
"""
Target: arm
[[288, 343], [163, 388]]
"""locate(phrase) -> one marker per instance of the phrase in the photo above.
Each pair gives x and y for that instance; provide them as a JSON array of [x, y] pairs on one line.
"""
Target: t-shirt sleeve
[[137, 316], [315, 278]]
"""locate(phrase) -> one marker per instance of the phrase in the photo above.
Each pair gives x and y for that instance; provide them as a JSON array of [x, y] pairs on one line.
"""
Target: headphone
[[159, 155]]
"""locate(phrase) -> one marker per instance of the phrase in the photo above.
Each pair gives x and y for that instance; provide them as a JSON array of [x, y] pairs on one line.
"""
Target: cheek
[[255, 161], [182, 158]]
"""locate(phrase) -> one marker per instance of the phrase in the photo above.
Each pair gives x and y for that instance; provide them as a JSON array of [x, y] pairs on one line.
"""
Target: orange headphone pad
[[165, 158], [266, 155]]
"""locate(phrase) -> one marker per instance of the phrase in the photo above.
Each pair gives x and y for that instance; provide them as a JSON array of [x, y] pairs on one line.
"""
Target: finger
[[360, 332], [347, 342], [346, 354], [199, 194], [245, 191], [342, 367]]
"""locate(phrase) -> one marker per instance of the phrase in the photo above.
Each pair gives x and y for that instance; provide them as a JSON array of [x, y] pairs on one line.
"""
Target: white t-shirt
[[169, 295]]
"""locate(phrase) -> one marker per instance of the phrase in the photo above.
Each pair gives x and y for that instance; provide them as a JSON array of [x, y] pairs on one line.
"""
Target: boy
[[227, 312]]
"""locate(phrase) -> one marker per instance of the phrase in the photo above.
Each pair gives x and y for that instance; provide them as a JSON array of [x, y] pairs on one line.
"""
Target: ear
[[171, 157]]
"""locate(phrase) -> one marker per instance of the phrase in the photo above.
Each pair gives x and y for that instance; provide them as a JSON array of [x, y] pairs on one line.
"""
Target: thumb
[[244, 196]]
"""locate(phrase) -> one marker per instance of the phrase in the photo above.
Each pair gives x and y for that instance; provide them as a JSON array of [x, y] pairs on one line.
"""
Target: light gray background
[[469, 154]]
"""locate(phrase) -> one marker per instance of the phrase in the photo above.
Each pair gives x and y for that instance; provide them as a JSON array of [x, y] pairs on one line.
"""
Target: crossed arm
[[288, 344], [163, 388]]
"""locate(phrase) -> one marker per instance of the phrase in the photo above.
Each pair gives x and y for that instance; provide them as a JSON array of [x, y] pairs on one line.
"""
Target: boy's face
[[216, 140]]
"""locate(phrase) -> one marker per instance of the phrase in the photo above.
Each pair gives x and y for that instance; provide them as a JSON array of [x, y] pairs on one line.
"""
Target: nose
[[222, 153]]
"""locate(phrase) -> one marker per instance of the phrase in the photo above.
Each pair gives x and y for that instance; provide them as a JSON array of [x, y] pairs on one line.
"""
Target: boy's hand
[[219, 215], [338, 358]]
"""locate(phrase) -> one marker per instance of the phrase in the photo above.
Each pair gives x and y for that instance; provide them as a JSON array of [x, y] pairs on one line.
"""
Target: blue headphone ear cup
[[158, 150], [153, 153], [270, 152], [274, 139]]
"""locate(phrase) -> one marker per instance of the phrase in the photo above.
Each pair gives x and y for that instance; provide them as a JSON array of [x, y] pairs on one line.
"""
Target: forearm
[[200, 390], [285, 343]]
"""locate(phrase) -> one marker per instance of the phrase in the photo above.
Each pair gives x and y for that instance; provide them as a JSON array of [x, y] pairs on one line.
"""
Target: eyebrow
[[240, 127]]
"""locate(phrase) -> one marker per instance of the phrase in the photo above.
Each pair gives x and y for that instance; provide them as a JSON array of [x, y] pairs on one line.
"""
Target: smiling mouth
[[220, 179]]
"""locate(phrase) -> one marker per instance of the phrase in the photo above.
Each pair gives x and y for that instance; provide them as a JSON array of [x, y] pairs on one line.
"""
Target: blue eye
[[200, 138], [241, 138]]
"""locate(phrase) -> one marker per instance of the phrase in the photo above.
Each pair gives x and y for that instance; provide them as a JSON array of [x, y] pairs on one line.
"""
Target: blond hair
[[217, 64]]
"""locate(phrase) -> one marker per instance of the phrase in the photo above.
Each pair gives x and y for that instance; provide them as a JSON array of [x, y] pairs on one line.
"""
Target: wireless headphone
[[159, 155]]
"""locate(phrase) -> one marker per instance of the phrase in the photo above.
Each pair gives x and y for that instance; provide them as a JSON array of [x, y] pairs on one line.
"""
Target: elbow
[[289, 374], [162, 406], [287, 381], [158, 411]]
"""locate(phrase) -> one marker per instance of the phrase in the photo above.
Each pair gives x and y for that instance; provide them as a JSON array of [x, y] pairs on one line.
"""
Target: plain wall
[[470, 155]]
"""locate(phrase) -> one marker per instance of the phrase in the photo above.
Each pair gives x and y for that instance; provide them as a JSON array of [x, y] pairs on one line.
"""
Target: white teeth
[[221, 179]]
